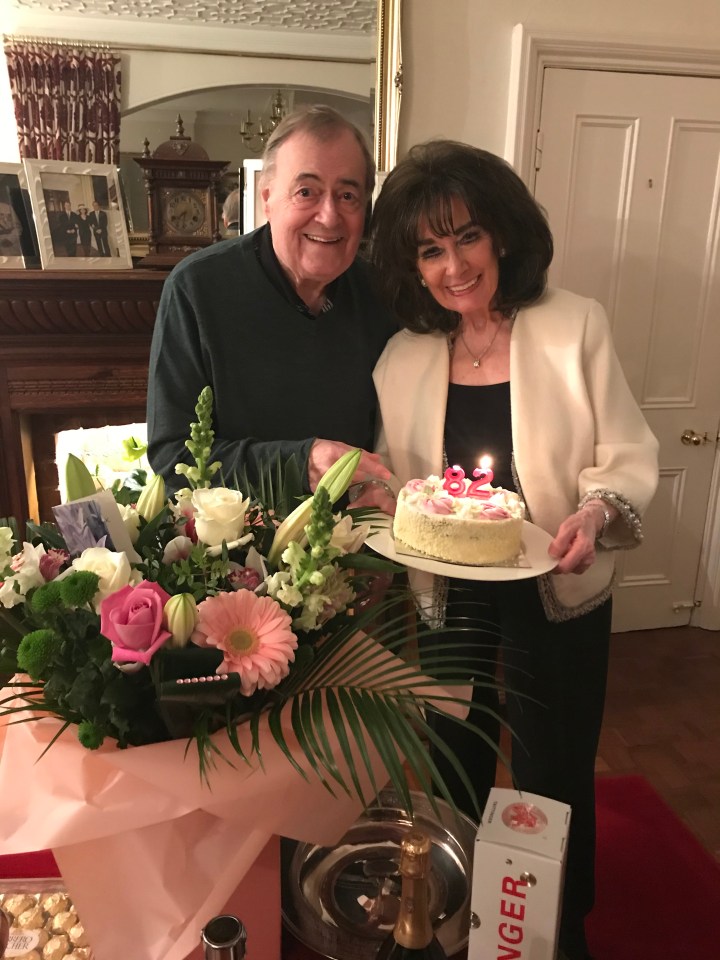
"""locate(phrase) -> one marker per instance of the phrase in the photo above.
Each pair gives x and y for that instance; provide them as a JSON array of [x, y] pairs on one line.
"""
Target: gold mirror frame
[[388, 86]]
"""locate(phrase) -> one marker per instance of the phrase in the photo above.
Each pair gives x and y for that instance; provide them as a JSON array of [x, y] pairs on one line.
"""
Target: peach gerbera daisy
[[254, 635]]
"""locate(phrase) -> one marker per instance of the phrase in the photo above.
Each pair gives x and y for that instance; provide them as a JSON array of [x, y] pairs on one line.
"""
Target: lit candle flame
[[485, 462]]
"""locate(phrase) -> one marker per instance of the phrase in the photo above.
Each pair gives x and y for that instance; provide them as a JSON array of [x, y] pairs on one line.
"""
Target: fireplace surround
[[74, 350]]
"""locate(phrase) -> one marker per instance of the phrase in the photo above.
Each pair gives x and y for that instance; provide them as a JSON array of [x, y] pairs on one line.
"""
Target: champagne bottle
[[412, 937], [223, 938]]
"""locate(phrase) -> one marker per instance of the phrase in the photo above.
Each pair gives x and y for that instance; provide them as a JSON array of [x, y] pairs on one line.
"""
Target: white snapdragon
[[219, 514], [6, 545], [26, 575]]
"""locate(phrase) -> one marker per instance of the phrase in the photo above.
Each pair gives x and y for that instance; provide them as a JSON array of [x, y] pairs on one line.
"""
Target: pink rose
[[132, 620]]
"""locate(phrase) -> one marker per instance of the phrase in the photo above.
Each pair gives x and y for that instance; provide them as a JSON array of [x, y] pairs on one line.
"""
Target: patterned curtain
[[67, 101]]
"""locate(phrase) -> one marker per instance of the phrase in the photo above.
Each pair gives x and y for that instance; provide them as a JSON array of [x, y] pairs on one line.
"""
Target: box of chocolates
[[44, 924]]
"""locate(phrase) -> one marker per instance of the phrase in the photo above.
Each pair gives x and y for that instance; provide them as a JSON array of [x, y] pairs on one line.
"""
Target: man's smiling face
[[315, 203]]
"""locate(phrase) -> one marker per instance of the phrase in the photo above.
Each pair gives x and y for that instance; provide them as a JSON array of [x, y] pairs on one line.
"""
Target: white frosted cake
[[481, 529]]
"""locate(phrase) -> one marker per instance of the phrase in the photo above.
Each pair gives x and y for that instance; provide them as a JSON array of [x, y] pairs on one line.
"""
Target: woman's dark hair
[[422, 187]]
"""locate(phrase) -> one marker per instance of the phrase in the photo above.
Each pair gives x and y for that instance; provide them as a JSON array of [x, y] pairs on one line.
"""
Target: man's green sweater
[[280, 378]]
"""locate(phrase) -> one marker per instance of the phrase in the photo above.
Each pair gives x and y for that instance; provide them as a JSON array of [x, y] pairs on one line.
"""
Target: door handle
[[690, 438]]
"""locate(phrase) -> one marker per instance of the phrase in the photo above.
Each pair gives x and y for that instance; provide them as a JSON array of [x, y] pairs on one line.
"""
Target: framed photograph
[[78, 215], [253, 213], [18, 240]]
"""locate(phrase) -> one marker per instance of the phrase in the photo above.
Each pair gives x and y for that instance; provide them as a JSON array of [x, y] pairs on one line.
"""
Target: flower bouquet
[[241, 625]]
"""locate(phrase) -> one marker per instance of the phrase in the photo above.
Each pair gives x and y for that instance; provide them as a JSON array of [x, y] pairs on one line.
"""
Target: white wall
[[456, 53]]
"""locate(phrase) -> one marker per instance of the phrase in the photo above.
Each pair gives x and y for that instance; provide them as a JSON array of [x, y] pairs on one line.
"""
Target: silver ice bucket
[[342, 901]]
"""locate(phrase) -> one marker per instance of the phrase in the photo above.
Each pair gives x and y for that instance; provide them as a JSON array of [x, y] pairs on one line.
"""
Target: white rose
[[131, 519], [345, 538], [219, 514], [113, 569]]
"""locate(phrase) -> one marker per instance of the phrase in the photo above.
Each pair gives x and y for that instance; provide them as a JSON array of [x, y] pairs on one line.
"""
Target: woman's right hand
[[574, 543]]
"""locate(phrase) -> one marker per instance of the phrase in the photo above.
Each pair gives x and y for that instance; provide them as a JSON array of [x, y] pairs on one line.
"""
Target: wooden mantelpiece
[[74, 350]]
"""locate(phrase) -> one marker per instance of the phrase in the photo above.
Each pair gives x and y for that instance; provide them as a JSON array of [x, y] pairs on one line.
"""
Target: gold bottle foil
[[412, 927]]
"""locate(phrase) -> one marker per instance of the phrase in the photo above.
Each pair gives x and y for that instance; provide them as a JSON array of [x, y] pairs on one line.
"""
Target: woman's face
[[461, 271]]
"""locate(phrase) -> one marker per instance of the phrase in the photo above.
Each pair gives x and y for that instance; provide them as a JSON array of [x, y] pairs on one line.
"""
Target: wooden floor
[[662, 720]]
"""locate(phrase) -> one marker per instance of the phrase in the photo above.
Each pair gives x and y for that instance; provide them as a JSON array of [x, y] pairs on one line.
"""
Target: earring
[[503, 251], [422, 281]]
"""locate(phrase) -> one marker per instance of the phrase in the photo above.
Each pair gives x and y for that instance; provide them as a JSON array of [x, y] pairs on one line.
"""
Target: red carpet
[[658, 890]]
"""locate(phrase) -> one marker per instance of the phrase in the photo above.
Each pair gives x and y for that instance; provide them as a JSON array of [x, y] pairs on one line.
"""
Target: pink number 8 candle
[[454, 481]]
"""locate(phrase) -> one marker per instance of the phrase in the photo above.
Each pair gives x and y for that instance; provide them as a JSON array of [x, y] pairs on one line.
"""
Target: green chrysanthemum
[[46, 597], [90, 735], [79, 588], [37, 651]]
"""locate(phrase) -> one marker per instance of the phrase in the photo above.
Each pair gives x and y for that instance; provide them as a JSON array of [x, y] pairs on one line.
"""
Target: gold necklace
[[477, 360]]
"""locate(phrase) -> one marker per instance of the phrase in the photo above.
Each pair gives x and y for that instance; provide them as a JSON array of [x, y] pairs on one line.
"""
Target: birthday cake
[[458, 520]]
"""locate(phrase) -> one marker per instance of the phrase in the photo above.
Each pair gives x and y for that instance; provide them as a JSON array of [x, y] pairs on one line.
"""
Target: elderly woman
[[489, 361]]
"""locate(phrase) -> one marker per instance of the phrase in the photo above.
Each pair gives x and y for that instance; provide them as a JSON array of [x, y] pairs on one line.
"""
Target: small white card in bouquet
[[94, 521]]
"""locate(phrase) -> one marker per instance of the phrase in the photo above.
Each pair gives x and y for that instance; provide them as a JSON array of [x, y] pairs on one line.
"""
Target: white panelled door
[[630, 178]]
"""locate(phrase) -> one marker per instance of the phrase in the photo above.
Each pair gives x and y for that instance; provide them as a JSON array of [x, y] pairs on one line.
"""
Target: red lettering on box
[[509, 953], [510, 933], [508, 909], [510, 886]]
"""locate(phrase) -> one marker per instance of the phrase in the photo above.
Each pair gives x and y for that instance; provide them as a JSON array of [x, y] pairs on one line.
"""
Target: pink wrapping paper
[[148, 852]]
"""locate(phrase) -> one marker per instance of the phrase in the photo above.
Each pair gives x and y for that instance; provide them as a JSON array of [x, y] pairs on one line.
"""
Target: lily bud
[[335, 480], [180, 617], [338, 477], [152, 500], [78, 479]]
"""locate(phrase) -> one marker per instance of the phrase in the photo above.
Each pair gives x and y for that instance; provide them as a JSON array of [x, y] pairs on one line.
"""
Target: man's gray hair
[[319, 121]]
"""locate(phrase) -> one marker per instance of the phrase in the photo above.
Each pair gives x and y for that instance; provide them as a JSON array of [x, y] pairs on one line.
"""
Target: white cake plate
[[533, 561]]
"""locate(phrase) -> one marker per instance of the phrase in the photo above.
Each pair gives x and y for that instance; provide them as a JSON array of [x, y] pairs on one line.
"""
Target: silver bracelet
[[606, 522]]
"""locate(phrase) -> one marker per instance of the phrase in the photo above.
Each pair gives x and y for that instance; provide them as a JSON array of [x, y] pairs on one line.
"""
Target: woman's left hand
[[574, 543]]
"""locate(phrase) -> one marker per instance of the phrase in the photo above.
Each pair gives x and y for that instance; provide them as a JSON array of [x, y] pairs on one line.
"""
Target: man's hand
[[376, 495], [324, 453]]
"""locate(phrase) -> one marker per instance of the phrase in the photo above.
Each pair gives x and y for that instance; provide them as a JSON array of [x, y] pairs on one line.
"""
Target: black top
[[478, 422]]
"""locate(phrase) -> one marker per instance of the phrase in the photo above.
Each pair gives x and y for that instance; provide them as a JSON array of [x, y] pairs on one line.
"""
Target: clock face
[[184, 211]]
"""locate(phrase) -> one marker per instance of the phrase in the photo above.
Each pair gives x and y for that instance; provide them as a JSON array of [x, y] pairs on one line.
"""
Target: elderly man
[[283, 323]]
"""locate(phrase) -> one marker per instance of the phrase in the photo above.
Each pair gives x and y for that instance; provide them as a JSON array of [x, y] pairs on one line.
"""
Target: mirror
[[362, 88]]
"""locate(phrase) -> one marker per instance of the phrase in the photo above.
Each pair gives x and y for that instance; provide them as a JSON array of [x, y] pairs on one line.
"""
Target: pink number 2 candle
[[483, 478], [454, 481]]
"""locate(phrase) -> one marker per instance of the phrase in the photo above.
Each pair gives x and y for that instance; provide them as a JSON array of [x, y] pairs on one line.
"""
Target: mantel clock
[[181, 184]]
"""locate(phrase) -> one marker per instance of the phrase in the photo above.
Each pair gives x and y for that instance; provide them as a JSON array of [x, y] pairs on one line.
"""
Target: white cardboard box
[[518, 871]]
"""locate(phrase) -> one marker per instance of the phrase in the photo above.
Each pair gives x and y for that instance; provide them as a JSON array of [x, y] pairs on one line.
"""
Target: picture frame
[[18, 238], [79, 215], [253, 213]]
